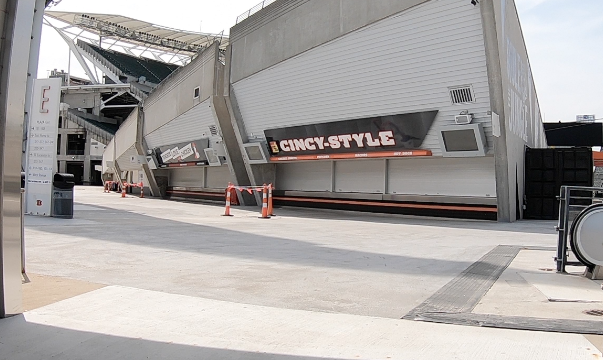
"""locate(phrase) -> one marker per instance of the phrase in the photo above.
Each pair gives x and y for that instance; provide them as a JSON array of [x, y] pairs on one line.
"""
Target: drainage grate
[[594, 312]]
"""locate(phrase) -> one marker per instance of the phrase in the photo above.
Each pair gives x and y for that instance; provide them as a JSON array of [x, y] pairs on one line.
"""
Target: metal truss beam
[[75, 50]]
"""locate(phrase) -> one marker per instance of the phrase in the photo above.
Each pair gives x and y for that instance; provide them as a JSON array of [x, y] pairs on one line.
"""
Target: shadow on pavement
[[135, 229], [20, 339]]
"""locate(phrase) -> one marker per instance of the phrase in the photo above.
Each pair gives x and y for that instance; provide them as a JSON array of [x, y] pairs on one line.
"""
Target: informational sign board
[[585, 118], [42, 146], [183, 154]]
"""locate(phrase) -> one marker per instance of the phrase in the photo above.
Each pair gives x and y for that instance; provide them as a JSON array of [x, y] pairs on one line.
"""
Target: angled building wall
[[515, 100], [310, 63]]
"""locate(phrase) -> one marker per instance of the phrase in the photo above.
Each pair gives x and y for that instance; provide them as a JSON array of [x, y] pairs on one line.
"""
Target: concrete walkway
[[184, 281]]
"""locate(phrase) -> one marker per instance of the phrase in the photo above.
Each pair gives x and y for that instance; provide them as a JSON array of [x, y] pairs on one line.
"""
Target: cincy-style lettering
[[346, 141]]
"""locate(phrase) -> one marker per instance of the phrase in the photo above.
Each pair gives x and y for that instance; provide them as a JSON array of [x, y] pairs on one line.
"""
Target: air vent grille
[[462, 95], [213, 130]]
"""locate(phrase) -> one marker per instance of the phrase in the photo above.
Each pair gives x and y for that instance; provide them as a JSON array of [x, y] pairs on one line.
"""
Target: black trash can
[[62, 196]]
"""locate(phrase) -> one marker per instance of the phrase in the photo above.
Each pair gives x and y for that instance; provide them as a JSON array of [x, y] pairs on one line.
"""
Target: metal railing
[[572, 201], [23, 270], [98, 134], [254, 10]]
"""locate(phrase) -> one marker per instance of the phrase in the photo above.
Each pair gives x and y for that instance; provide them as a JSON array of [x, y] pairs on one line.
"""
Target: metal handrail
[[22, 231], [564, 225], [254, 10]]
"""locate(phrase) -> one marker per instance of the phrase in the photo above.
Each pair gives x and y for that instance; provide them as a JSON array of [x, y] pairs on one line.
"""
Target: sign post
[[42, 146]]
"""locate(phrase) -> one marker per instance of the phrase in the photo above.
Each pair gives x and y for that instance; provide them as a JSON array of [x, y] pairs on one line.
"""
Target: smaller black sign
[[183, 153], [392, 132]]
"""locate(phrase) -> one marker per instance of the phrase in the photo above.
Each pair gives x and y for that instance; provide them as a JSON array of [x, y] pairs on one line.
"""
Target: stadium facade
[[406, 106]]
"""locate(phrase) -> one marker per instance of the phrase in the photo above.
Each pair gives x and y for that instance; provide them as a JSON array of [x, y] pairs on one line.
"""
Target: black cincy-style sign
[[182, 154], [392, 132]]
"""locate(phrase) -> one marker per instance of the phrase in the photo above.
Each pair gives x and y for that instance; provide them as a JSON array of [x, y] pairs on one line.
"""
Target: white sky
[[564, 40]]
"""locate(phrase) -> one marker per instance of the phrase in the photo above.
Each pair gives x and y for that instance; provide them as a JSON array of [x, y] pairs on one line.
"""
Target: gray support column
[[32, 71], [16, 23], [62, 166], [232, 140], [501, 161], [87, 164], [141, 149]]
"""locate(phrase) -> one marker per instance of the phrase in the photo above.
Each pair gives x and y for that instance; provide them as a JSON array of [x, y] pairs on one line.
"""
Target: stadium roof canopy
[[139, 32]]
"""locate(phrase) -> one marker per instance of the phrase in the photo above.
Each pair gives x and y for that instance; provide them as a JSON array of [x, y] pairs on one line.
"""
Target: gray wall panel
[[404, 63], [366, 176], [443, 176], [304, 176]]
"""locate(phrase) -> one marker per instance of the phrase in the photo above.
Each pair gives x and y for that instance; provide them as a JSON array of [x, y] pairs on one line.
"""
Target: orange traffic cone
[[141, 189], [123, 190], [270, 207], [228, 192], [265, 203]]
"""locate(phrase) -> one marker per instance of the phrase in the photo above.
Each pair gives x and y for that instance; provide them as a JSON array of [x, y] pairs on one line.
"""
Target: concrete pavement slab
[[342, 262], [119, 322]]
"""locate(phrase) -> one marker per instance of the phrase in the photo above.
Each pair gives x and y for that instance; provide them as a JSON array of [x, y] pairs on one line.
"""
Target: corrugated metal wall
[[192, 125], [401, 64]]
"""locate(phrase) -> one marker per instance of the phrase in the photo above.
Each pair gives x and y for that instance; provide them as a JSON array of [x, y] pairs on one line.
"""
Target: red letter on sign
[[44, 99]]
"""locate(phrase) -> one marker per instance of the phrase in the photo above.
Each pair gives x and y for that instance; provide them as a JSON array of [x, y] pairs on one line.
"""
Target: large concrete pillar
[[141, 149], [229, 131], [501, 161], [32, 71], [16, 23]]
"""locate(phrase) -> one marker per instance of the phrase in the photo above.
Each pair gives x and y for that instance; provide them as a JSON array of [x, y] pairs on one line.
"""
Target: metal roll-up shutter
[[304, 176], [360, 176], [218, 177], [474, 177], [187, 177]]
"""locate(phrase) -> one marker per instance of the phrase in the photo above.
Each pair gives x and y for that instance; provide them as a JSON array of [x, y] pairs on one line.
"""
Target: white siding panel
[[108, 155], [304, 176], [124, 162], [360, 176], [174, 96], [192, 125], [443, 176], [125, 137], [401, 64], [187, 177], [218, 177]]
